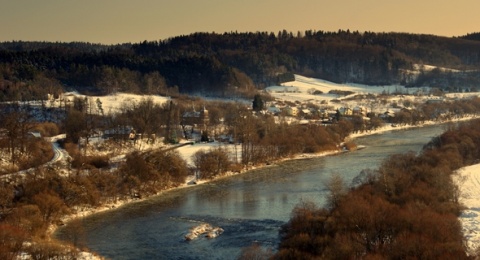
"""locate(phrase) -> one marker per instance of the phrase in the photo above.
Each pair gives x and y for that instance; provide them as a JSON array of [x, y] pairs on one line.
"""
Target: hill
[[233, 64], [472, 36]]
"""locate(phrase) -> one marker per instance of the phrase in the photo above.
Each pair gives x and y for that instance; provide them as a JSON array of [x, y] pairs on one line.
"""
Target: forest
[[236, 64]]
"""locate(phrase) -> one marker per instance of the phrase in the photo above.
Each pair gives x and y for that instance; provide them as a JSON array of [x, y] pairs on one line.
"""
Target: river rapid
[[249, 207]]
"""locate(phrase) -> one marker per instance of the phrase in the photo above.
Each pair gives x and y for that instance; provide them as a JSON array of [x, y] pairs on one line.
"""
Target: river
[[250, 207]]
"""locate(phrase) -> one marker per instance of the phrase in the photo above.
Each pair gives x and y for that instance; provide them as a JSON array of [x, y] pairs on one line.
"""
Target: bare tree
[[74, 125], [16, 122], [255, 252], [336, 190], [12, 240], [211, 163], [6, 198], [146, 117], [50, 204]]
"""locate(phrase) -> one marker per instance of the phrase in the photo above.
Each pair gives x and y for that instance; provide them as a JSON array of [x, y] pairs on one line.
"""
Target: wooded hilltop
[[235, 63]]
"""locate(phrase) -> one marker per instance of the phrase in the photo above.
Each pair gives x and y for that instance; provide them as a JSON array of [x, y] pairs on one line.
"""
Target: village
[[304, 101]]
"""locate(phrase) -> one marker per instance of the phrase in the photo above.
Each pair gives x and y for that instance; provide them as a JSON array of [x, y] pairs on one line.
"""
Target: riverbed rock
[[203, 229]]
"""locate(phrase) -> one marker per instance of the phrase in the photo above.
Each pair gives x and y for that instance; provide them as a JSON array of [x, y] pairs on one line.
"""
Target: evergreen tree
[[257, 103]]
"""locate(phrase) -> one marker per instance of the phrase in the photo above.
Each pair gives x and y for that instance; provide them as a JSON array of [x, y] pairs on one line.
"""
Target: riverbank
[[468, 179], [302, 156], [393, 127]]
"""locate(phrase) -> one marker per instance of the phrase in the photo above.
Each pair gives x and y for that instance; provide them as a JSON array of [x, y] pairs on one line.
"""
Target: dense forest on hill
[[472, 36], [236, 63]]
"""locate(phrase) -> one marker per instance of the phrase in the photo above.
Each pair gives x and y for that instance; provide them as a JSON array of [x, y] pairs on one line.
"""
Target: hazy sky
[[121, 21]]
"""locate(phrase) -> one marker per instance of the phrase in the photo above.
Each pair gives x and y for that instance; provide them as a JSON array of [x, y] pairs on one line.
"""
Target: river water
[[250, 207]]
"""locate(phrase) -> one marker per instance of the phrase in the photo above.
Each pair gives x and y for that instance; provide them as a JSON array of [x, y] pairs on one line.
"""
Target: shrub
[[350, 146], [47, 129], [98, 161], [211, 163], [11, 241]]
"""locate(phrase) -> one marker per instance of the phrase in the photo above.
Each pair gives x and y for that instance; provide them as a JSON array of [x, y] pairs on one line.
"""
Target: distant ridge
[[237, 64], [472, 36]]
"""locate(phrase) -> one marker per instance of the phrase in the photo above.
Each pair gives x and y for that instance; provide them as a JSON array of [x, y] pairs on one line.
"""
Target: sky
[[133, 21]]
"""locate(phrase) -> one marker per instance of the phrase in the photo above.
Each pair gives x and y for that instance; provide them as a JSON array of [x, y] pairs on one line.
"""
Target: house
[[388, 115], [359, 111], [273, 109], [68, 97], [291, 111], [196, 118], [306, 111], [345, 111]]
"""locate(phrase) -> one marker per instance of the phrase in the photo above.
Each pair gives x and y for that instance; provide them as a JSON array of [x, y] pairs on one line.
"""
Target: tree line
[[262, 137], [233, 63]]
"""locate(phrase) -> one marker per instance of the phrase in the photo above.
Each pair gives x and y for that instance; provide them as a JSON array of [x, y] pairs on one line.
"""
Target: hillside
[[237, 64]]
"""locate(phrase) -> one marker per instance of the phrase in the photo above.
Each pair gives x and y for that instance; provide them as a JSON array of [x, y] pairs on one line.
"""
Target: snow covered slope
[[469, 183], [302, 89]]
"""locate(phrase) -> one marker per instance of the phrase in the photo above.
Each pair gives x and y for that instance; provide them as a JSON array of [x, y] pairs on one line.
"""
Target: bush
[[255, 252], [47, 129], [340, 92], [98, 161], [38, 152], [71, 148], [29, 219], [211, 163], [11, 241], [42, 249], [350, 146], [313, 91]]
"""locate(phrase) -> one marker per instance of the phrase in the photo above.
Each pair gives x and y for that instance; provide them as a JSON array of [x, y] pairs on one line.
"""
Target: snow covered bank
[[390, 127], [468, 180]]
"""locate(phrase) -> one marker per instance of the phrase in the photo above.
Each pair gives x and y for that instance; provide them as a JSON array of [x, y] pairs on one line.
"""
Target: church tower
[[204, 117]]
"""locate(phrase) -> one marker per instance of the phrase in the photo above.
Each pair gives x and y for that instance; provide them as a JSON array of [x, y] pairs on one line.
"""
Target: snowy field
[[113, 103], [301, 91], [187, 152], [469, 183], [302, 88]]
